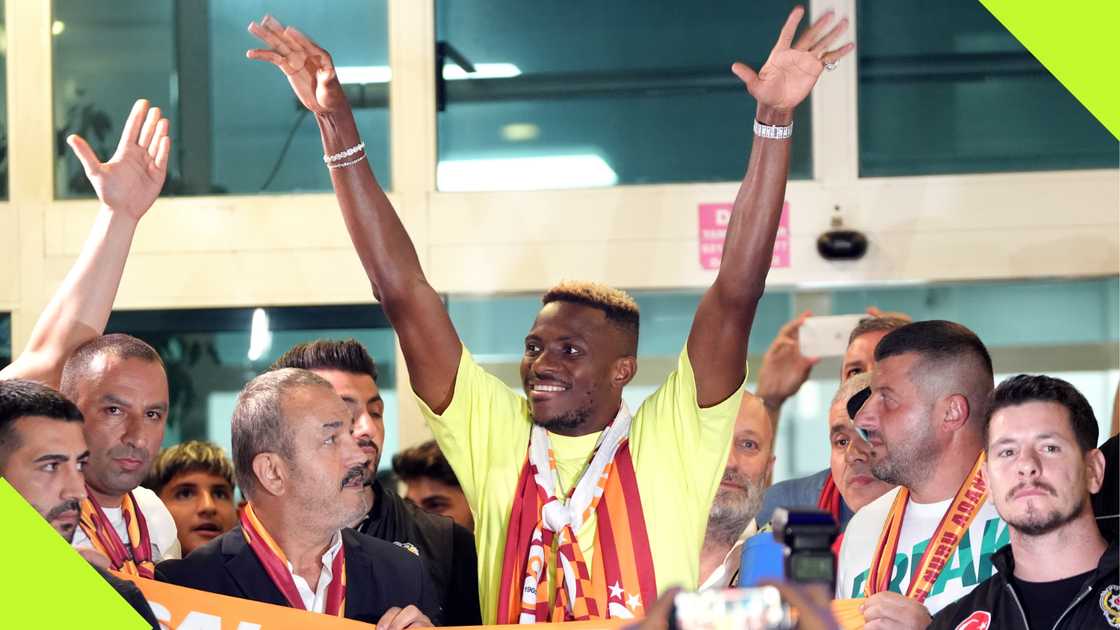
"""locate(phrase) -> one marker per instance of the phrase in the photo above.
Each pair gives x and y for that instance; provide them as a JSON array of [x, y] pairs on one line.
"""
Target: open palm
[[132, 178], [791, 70], [308, 67]]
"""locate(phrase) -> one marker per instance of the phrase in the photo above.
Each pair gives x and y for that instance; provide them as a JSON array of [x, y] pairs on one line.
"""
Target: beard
[[565, 422], [909, 460], [733, 510], [1036, 522]]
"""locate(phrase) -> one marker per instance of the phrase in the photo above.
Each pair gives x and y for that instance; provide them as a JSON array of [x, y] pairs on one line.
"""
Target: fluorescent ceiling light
[[527, 173], [260, 337], [382, 74]]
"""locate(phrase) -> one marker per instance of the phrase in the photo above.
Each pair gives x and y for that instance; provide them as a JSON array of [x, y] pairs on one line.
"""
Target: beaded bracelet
[[344, 154]]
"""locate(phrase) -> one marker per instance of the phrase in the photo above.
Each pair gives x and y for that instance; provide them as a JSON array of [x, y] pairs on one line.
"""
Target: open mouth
[[208, 530]]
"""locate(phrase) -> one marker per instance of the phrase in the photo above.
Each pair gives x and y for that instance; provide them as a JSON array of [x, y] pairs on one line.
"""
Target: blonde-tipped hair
[[619, 307]]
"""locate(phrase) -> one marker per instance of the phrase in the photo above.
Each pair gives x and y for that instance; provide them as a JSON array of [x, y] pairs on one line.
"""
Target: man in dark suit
[[304, 477]]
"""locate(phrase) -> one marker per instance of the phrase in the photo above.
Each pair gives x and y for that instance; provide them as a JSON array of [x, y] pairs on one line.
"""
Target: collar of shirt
[[727, 572], [316, 601]]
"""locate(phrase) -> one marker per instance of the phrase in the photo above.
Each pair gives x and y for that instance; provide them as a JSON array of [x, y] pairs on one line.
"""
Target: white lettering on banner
[[194, 620]]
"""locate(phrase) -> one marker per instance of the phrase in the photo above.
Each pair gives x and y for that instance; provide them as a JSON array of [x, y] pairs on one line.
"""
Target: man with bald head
[[927, 543], [304, 476], [731, 519]]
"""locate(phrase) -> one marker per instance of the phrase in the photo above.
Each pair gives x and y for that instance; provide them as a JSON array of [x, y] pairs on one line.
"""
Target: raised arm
[[717, 343], [127, 185], [428, 340]]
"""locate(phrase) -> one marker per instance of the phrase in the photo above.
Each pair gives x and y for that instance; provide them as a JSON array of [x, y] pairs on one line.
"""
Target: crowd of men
[[959, 502]]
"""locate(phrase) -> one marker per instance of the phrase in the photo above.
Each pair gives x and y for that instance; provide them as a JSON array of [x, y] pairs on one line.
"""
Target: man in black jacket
[[447, 549], [42, 452], [304, 477], [1058, 572]]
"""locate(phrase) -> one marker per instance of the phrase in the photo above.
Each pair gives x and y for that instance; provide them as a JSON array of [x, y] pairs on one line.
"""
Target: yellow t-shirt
[[679, 452]]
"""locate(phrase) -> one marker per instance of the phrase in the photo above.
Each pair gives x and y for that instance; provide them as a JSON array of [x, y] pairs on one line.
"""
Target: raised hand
[[791, 71], [784, 368], [131, 180], [309, 68]]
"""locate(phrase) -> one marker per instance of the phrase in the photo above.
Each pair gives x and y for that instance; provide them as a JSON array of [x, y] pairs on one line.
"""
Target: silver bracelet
[[341, 155], [772, 132], [345, 164]]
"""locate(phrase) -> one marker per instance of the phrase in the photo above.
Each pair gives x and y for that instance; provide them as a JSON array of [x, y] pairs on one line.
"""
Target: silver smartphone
[[827, 336]]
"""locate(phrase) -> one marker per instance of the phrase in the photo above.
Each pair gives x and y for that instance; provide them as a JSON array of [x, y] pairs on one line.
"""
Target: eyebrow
[[333, 425], [52, 457], [120, 402]]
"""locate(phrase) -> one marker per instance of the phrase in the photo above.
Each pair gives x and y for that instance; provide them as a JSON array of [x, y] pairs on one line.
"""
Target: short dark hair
[[885, 323], [21, 398], [425, 460], [117, 344], [940, 343], [192, 456], [619, 307], [258, 420], [1027, 388], [347, 355]]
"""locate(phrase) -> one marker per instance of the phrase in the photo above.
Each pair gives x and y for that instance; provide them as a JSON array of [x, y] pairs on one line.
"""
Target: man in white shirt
[[924, 419], [118, 382]]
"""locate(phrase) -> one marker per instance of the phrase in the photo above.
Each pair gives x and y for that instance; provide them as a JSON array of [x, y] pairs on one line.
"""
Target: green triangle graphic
[[1076, 42], [46, 583]]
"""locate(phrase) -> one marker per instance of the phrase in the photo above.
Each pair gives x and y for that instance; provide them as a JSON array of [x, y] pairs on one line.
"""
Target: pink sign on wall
[[714, 218]]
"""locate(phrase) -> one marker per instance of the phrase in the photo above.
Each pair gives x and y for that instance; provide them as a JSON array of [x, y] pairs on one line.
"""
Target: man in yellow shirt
[[582, 510]]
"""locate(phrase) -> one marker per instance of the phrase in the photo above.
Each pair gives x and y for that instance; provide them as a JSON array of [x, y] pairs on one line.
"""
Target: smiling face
[[1040, 478], [125, 404], [575, 365], [201, 504], [45, 468]]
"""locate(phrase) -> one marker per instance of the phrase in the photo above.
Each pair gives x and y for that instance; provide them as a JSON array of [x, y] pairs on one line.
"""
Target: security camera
[[841, 244]]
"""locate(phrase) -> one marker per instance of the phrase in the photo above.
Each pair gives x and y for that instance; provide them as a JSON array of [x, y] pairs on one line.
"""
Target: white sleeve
[[161, 526]]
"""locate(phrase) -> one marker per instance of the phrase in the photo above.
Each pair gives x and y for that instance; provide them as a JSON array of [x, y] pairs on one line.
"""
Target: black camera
[[807, 536]]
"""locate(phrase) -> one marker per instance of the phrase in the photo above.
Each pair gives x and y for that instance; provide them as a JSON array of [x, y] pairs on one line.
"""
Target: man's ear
[[624, 370], [953, 412], [271, 473], [1094, 470]]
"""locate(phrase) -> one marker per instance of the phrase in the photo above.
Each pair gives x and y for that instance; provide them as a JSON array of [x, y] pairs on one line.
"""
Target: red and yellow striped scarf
[[136, 559], [621, 581], [275, 564], [956, 521]]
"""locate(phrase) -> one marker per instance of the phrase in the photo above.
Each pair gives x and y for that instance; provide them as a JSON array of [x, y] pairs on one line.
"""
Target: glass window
[[211, 353], [3, 106], [595, 94], [945, 88], [5, 339], [236, 125]]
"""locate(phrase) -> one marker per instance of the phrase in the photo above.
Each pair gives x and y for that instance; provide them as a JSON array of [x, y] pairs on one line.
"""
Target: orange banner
[[179, 608]]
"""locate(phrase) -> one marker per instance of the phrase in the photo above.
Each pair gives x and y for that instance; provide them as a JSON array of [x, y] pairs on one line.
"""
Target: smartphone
[[759, 608], [827, 336]]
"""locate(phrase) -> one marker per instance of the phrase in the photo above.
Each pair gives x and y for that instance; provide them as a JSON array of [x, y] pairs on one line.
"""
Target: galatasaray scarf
[[275, 564], [136, 558], [622, 581], [830, 501], [962, 511]]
